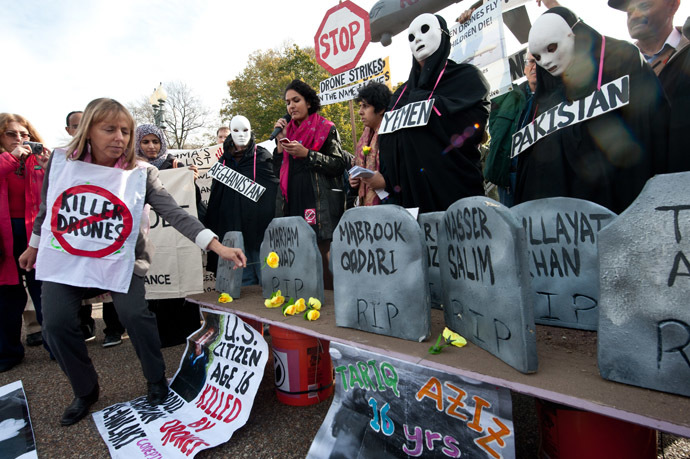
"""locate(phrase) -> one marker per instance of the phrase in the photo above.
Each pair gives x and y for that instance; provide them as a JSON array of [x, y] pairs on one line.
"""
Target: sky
[[61, 55]]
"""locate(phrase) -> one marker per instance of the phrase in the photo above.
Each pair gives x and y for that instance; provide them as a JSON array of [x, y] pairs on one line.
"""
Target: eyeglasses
[[23, 135], [530, 62]]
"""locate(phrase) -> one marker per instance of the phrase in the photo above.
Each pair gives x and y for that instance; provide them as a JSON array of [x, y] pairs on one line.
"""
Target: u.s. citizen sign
[[342, 37]]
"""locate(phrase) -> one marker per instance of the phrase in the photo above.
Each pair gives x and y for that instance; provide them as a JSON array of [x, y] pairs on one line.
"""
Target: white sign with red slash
[[342, 37], [91, 226]]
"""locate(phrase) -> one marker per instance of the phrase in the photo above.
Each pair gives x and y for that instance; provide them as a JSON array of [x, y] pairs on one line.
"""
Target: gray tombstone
[[644, 318], [379, 273], [485, 279], [229, 280], [563, 259], [430, 223], [300, 271]]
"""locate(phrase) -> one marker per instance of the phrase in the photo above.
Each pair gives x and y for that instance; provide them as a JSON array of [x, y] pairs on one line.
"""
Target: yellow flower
[[312, 314], [366, 150], [275, 300], [272, 260], [224, 298], [314, 303], [300, 305], [289, 310], [453, 338]]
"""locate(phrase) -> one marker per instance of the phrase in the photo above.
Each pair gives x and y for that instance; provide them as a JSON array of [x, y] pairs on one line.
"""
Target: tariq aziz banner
[[91, 225], [16, 434], [385, 407], [176, 269], [611, 96], [212, 395]]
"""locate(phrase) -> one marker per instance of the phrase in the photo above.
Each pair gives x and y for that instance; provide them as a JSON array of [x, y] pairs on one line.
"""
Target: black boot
[[79, 408], [158, 391]]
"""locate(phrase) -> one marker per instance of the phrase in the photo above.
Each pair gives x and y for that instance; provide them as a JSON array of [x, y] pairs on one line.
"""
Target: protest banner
[[16, 433], [176, 268], [236, 181], [345, 86], [212, 395], [384, 407], [414, 114]]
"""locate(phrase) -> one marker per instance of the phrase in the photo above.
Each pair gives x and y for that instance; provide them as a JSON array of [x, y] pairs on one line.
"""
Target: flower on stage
[[224, 298], [449, 338], [276, 300], [314, 303], [272, 260], [289, 310], [366, 149], [300, 305], [312, 314], [313, 309]]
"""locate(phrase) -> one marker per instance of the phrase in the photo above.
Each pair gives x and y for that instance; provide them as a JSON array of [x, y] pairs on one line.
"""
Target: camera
[[36, 147]]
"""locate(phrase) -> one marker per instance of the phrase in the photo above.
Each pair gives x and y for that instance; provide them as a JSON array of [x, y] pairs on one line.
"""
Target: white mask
[[240, 130], [552, 43], [424, 34]]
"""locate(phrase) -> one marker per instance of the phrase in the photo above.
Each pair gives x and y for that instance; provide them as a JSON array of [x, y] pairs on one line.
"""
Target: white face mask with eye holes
[[240, 130], [424, 34], [552, 43]]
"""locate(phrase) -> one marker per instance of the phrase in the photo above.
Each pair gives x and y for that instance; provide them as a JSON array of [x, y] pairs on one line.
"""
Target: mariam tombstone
[[485, 277], [300, 271], [379, 273], [430, 222], [563, 259], [229, 280], [644, 319]]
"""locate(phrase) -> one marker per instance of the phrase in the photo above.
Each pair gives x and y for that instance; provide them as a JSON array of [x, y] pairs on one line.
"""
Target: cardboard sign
[[351, 92], [411, 115], [229, 280], [486, 282], [644, 319], [379, 273], [358, 74], [563, 258], [610, 97], [16, 433], [238, 182], [385, 407], [211, 396], [429, 222]]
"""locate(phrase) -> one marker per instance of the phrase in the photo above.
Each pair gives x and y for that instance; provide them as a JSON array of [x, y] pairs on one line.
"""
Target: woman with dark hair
[[605, 159], [21, 178], [98, 175], [309, 161]]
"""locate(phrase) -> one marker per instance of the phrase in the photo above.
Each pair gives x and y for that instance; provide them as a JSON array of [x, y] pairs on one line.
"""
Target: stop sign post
[[342, 37]]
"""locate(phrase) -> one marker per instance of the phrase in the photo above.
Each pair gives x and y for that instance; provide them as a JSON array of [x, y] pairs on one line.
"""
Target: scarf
[[144, 130], [369, 138], [311, 133]]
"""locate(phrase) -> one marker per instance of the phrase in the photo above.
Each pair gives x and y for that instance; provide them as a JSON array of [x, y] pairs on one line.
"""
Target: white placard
[[414, 114], [238, 182]]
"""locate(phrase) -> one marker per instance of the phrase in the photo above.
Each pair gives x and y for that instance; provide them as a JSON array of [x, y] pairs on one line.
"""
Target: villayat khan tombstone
[[229, 280], [644, 319], [430, 222], [300, 272], [485, 279], [379, 273], [563, 259]]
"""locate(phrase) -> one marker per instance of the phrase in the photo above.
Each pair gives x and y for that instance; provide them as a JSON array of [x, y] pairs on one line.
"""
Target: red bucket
[[569, 433], [303, 368]]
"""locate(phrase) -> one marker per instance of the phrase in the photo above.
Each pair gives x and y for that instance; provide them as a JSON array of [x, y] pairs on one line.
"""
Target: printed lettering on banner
[[238, 182], [415, 114]]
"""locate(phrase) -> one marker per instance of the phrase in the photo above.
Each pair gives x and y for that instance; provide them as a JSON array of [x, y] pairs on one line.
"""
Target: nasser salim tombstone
[[229, 280], [379, 273], [300, 272], [486, 282], [644, 319], [429, 222], [563, 259]]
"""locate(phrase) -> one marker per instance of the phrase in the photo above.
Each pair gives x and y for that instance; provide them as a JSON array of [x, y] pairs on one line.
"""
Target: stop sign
[[342, 37]]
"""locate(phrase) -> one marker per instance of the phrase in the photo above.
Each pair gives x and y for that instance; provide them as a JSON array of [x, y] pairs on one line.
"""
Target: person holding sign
[[429, 139], [373, 101], [21, 177], [599, 128], [230, 210], [87, 237], [309, 161]]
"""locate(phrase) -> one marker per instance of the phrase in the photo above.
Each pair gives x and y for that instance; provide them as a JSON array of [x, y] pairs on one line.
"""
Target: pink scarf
[[311, 133], [367, 196]]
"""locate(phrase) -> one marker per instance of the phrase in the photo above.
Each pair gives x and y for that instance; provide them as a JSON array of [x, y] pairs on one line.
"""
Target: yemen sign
[[342, 37]]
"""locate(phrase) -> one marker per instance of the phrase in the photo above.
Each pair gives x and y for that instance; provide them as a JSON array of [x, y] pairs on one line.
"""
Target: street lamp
[[157, 101]]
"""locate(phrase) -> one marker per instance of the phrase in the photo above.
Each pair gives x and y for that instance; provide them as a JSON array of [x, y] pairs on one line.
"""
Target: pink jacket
[[32, 193]]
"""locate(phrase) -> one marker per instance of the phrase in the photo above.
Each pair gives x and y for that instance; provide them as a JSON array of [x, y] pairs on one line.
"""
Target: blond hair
[[7, 118]]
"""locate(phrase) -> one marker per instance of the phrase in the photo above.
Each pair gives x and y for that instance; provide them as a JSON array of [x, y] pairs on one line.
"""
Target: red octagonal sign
[[342, 37]]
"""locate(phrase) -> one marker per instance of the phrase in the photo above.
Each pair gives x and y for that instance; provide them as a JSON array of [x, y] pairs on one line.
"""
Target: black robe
[[433, 166], [606, 159], [229, 210]]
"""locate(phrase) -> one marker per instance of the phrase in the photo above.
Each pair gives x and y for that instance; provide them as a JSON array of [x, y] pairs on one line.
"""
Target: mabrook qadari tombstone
[[379, 273], [644, 318], [485, 277], [300, 271], [229, 280], [563, 259], [430, 222]]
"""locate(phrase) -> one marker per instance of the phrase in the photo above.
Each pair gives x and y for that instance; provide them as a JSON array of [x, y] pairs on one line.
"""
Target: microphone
[[278, 130]]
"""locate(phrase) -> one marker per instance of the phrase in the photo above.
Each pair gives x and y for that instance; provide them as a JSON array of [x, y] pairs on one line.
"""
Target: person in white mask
[[230, 210], [581, 149], [433, 165]]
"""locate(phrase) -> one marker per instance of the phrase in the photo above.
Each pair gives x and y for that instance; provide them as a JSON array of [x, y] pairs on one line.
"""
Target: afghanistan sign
[[610, 97], [384, 408], [411, 115], [212, 395], [238, 182]]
